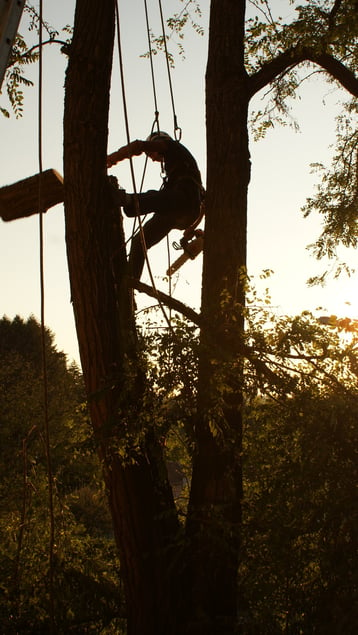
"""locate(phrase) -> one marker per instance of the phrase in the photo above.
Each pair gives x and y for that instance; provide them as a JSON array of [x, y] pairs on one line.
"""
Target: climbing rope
[[43, 339], [156, 123], [156, 111], [177, 130], [126, 121], [125, 110]]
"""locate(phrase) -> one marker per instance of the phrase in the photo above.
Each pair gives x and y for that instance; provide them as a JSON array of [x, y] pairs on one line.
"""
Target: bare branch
[[241, 348], [169, 301], [296, 55]]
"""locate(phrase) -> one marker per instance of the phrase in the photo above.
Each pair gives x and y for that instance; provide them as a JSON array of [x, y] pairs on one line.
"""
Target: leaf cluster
[[22, 55], [176, 24], [297, 567], [86, 567], [319, 25], [300, 511], [15, 80], [297, 352], [336, 199], [172, 371]]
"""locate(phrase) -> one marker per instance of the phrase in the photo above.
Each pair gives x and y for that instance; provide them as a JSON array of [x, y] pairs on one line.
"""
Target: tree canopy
[[87, 594]]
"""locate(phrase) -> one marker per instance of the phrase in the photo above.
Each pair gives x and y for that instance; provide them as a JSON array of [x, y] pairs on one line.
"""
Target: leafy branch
[[22, 55], [337, 194]]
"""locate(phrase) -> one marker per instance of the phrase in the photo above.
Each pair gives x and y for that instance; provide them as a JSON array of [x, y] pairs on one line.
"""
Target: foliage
[[320, 25], [176, 24], [299, 545], [329, 28], [14, 78], [172, 371], [297, 570], [337, 196], [297, 567], [22, 55], [86, 568]]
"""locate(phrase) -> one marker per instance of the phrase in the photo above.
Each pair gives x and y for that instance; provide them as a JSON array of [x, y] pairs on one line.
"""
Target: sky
[[281, 180]]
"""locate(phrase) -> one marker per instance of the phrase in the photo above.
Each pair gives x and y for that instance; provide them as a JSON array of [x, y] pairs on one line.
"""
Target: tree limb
[[240, 348], [295, 55], [168, 300], [23, 56]]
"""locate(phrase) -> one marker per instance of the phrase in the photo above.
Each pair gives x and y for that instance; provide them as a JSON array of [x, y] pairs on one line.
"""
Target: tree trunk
[[144, 516], [215, 503], [143, 511]]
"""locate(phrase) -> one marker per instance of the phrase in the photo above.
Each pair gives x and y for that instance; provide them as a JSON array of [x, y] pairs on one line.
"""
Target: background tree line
[[86, 565], [297, 567]]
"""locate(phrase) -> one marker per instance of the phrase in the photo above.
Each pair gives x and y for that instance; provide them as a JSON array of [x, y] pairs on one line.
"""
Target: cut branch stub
[[32, 195]]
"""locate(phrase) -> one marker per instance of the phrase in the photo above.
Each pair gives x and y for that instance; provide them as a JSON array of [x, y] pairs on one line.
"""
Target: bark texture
[[215, 503], [141, 502]]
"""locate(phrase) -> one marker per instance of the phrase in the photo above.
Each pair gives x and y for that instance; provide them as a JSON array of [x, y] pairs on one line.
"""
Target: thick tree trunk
[[214, 519], [141, 501]]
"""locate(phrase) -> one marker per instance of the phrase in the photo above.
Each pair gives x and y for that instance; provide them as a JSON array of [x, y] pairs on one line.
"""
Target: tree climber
[[176, 205]]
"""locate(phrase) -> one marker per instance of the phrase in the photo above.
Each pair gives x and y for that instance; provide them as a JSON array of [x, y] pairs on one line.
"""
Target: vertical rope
[[124, 99], [177, 129], [126, 122], [156, 120], [43, 339], [156, 111], [169, 278]]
